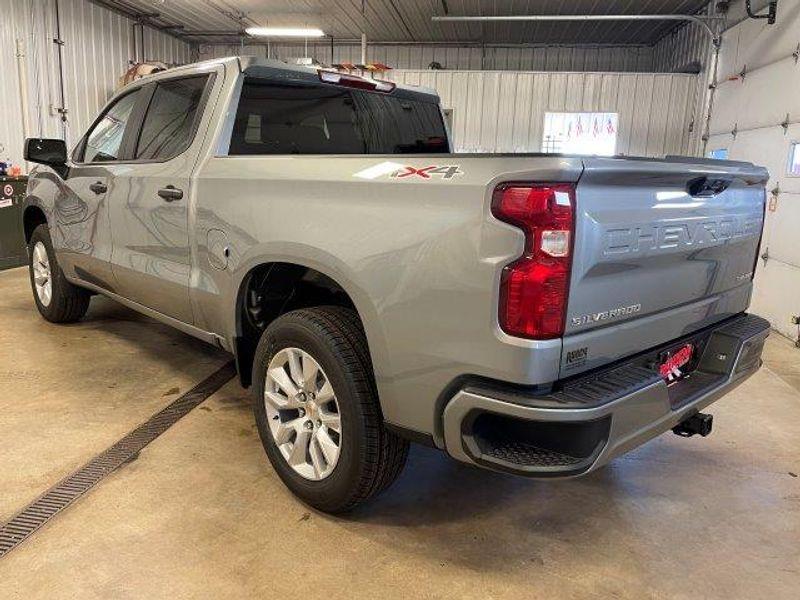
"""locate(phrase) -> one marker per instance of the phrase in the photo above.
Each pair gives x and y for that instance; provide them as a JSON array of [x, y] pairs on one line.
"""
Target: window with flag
[[580, 133]]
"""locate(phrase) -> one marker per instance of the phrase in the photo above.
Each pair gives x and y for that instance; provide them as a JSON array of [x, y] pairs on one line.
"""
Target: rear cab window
[[317, 118]]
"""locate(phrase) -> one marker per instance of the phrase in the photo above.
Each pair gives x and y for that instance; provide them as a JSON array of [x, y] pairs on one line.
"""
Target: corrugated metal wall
[[655, 110], [502, 111], [98, 45], [453, 57], [686, 44]]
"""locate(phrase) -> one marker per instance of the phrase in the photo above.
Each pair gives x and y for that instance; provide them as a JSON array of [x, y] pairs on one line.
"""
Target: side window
[[170, 122], [104, 141]]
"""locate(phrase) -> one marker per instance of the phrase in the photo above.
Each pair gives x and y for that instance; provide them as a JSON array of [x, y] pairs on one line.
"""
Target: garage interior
[[199, 512]]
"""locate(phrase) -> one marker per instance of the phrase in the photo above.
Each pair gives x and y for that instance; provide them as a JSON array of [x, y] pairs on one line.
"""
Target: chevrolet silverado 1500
[[531, 313]]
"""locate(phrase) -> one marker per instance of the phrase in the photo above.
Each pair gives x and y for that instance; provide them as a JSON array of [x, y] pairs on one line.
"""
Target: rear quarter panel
[[419, 256]]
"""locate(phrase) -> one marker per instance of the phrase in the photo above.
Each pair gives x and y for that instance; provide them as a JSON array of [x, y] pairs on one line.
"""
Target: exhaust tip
[[698, 424]]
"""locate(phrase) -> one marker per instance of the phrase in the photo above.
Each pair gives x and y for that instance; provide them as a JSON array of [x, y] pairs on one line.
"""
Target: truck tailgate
[[662, 248]]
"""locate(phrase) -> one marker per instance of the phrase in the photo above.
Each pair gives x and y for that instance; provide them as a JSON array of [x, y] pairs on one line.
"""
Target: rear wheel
[[317, 410], [56, 298], [303, 413]]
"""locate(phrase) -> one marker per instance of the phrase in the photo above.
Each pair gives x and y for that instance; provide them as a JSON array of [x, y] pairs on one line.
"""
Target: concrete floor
[[201, 513]]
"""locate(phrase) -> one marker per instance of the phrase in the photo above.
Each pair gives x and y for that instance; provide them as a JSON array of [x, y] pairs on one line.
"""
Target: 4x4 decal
[[400, 171], [446, 171]]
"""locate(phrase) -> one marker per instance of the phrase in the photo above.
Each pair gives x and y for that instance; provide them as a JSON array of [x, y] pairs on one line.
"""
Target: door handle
[[99, 187], [170, 193]]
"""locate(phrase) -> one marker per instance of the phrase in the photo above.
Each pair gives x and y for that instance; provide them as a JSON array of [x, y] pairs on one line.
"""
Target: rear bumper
[[592, 419]]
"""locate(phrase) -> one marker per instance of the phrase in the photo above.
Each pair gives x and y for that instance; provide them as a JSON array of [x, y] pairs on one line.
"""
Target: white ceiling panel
[[212, 21]]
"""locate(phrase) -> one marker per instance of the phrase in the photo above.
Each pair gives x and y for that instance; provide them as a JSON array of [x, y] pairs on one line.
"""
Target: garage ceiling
[[211, 21]]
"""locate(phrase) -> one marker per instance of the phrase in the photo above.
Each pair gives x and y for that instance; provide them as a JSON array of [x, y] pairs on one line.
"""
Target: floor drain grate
[[22, 525]]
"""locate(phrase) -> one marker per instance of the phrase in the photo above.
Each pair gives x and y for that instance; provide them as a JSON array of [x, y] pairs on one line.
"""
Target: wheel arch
[[32, 217], [296, 283]]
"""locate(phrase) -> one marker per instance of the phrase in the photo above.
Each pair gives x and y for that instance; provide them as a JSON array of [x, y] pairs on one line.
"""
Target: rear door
[[150, 204], [662, 248]]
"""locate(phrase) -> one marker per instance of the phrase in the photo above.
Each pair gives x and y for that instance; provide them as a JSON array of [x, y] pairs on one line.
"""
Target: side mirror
[[50, 152]]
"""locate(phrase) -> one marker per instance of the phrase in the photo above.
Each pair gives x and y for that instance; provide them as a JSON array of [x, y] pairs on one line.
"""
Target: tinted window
[[324, 119], [169, 124], [104, 141], [399, 126]]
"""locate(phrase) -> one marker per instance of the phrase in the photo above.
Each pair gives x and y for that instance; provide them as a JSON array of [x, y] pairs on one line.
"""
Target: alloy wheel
[[303, 413], [42, 276]]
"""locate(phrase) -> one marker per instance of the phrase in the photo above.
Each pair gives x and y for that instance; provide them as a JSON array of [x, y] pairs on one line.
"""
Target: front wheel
[[56, 298], [317, 410]]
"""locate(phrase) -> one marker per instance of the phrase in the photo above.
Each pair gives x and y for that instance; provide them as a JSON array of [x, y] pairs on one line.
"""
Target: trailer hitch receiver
[[698, 423]]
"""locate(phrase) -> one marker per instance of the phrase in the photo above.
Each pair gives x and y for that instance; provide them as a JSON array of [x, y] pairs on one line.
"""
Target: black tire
[[371, 457], [68, 302]]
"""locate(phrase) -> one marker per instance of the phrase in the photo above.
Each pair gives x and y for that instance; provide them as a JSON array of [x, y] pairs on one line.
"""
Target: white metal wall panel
[[15, 24], [756, 106], [98, 49], [419, 56], [98, 45], [686, 44], [159, 46], [503, 111]]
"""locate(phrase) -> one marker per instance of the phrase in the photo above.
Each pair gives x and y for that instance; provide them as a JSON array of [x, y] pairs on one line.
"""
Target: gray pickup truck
[[530, 313]]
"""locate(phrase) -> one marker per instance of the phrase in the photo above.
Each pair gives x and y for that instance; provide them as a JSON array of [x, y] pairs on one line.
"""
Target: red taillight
[[534, 288]]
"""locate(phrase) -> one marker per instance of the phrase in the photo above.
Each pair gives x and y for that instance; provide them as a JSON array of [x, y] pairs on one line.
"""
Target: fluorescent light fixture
[[284, 32]]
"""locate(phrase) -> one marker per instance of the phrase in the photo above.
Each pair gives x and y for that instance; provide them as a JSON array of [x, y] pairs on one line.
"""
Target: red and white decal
[[670, 368], [397, 170], [444, 171]]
